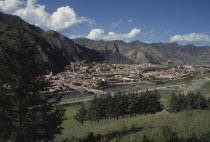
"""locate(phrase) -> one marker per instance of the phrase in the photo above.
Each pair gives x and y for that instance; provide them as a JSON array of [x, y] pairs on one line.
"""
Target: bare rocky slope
[[156, 53]]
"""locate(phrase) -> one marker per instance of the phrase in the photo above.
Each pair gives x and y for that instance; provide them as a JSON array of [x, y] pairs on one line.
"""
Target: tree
[[178, 102], [191, 100], [133, 107], [81, 116], [102, 83], [92, 113], [155, 105], [108, 105], [120, 104], [27, 114], [196, 100]]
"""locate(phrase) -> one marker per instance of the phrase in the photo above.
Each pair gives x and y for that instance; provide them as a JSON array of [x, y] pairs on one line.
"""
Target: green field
[[177, 81], [207, 75], [70, 122], [187, 81], [77, 99], [165, 97]]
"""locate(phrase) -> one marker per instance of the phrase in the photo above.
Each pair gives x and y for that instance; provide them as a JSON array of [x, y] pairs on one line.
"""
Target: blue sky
[[182, 21]]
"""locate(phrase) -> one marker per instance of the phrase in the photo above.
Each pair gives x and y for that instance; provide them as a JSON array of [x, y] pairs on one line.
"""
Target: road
[[75, 102], [193, 87], [196, 85], [163, 88]]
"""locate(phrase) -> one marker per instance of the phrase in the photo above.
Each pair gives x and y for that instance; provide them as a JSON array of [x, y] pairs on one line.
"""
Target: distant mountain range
[[57, 50], [155, 53]]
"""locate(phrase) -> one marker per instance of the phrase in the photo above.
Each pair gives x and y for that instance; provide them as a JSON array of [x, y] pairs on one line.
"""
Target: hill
[[155, 53], [151, 125], [56, 49]]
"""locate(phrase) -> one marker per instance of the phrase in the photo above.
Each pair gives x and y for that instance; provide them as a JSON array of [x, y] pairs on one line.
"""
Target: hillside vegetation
[[191, 124], [186, 124]]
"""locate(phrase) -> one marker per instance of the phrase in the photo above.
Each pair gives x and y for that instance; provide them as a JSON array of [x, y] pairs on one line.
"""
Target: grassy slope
[[70, 122], [186, 124], [204, 89]]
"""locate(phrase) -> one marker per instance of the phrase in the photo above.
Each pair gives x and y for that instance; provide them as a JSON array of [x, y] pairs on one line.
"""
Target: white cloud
[[116, 24], [97, 34], [191, 38], [61, 20], [133, 33], [10, 5]]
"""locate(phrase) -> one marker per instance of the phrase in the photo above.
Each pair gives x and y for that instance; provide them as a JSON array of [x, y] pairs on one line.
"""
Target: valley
[[101, 90]]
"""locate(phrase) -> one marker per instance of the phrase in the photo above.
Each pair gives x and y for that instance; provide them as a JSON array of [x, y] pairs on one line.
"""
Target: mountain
[[56, 49], [155, 53]]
